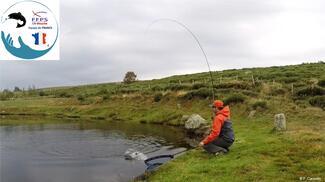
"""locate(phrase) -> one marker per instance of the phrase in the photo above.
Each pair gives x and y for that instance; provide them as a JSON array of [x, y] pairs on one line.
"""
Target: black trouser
[[218, 145]]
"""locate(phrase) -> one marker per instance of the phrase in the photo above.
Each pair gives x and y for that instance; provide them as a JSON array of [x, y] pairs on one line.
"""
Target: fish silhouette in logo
[[18, 16]]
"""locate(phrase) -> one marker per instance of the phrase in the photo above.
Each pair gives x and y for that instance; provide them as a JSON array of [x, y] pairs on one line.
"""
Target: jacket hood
[[225, 111]]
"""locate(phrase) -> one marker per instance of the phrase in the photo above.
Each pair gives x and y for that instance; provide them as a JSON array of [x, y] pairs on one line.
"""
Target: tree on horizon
[[129, 77]]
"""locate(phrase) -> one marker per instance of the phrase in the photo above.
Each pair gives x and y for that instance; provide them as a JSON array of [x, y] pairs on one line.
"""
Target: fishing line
[[151, 165], [195, 38]]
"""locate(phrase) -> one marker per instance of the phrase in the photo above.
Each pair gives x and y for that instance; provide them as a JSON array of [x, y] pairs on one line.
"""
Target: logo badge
[[29, 31]]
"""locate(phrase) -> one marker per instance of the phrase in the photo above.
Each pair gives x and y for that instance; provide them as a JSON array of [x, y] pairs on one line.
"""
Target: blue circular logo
[[29, 30]]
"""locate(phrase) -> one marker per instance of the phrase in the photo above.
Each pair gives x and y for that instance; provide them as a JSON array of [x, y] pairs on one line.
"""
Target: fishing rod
[[150, 162], [197, 41]]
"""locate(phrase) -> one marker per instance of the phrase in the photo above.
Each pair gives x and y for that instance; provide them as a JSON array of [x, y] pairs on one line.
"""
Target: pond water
[[81, 151]]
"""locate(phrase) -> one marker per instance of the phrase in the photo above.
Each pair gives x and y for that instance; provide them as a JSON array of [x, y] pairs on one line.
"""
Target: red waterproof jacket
[[217, 124]]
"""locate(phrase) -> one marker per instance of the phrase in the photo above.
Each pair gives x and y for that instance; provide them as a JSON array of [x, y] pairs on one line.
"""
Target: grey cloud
[[102, 39]]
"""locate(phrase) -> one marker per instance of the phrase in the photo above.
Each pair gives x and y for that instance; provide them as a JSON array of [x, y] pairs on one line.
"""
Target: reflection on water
[[84, 151]]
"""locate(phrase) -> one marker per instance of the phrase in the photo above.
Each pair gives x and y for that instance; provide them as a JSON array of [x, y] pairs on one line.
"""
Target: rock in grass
[[251, 114], [193, 142], [280, 122], [204, 130], [195, 121]]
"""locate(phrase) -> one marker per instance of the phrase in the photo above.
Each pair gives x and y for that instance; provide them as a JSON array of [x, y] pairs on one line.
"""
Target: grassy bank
[[259, 153]]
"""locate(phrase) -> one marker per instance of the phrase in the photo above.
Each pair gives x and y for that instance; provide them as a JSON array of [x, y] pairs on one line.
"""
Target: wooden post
[[253, 80], [179, 81], [292, 89]]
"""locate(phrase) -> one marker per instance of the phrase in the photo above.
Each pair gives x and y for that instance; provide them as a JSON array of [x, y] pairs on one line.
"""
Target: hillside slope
[[259, 154]]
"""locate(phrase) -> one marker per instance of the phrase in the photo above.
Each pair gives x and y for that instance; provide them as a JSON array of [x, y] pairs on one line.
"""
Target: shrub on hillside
[[188, 95], [176, 87], [277, 91], [6, 94], [106, 97], [321, 83], [157, 97], [311, 91], [157, 88], [102, 92], [200, 93], [64, 95], [272, 89], [81, 98], [302, 103], [128, 90], [289, 79], [203, 93], [42, 93], [198, 86], [249, 93], [235, 85], [318, 101], [146, 92], [17, 89], [173, 81], [234, 99], [86, 99], [260, 104]]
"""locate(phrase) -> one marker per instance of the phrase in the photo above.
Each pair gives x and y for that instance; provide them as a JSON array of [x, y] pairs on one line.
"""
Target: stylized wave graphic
[[24, 51]]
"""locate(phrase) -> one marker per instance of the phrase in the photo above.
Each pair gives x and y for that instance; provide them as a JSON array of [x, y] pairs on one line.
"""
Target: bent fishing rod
[[147, 161], [197, 41]]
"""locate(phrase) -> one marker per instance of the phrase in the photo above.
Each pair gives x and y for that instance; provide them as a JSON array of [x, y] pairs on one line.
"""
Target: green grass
[[259, 154]]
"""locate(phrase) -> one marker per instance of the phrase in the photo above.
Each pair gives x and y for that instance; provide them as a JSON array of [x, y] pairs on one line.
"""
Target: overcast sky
[[103, 39]]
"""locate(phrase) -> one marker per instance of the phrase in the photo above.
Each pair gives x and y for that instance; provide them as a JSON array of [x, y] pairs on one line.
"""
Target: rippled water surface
[[81, 151]]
